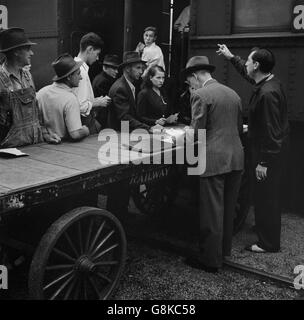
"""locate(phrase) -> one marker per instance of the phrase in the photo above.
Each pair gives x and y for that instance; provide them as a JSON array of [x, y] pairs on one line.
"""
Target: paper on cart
[[14, 152], [177, 133]]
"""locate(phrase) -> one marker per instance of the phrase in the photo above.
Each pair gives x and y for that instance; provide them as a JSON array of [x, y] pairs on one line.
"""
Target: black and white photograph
[[151, 153]]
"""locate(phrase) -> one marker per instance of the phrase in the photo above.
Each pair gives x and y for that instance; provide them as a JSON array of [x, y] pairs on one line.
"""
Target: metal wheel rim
[[89, 269]]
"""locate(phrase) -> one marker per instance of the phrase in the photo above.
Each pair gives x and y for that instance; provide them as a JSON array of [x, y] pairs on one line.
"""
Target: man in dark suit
[[103, 82], [123, 108], [268, 141], [217, 109], [123, 94]]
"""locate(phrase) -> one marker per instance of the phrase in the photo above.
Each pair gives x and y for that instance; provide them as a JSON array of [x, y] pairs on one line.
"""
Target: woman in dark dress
[[152, 105]]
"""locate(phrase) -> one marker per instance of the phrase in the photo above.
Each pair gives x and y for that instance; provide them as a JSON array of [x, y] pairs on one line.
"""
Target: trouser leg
[[268, 209], [118, 198], [232, 186], [211, 220]]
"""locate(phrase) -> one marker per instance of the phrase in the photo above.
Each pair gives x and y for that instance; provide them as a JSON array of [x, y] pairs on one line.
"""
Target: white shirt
[[131, 86], [84, 91], [60, 109], [153, 55]]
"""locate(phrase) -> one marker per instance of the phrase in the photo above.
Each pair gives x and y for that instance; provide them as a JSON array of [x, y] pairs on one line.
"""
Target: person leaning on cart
[[58, 104], [90, 48], [123, 95], [152, 104], [20, 119], [103, 82], [217, 109]]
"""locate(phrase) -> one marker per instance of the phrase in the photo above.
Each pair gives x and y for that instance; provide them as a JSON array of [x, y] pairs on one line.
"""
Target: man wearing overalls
[[19, 114]]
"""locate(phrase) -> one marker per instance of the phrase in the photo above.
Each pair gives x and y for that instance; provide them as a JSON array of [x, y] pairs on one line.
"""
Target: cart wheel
[[153, 197], [80, 257]]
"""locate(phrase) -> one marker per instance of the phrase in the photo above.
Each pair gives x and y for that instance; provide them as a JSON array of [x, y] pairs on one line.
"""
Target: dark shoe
[[195, 263]]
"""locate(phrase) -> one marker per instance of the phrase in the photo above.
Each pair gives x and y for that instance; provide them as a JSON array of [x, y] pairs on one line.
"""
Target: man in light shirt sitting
[[59, 105], [90, 47]]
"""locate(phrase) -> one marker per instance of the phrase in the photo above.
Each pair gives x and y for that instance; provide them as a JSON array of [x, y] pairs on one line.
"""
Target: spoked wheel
[[153, 197], [80, 257]]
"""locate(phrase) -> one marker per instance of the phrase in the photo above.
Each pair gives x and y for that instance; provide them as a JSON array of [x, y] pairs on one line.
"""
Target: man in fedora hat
[[103, 82], [59, 105], [20, 121], [217, 109], [90, 48], [123, 93], [123, 108]]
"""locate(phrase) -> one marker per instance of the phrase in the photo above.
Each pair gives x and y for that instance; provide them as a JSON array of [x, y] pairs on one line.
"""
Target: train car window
[[262, 15]]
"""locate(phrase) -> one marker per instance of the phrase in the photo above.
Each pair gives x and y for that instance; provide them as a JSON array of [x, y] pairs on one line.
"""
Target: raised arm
[[236, 61]]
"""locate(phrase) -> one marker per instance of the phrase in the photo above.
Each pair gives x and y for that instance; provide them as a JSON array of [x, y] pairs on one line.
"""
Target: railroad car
[[57, 26]]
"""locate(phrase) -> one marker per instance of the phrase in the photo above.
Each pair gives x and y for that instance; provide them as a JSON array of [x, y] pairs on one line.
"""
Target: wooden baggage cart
[[81, 253], [81, 250]]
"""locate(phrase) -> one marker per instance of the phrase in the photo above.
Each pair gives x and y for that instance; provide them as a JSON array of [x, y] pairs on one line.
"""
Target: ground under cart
[[77, 250]]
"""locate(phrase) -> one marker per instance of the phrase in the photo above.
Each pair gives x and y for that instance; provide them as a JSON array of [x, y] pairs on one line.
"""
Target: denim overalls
[[19, 115]]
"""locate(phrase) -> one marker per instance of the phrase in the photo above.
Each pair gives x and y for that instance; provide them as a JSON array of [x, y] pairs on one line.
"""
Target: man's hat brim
[[131, 61], [28, 43], [76, 67], [112, 65], [187, 71]]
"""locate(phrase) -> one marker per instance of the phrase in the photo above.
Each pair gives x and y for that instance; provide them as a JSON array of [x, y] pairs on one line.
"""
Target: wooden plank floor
[[49, 163]]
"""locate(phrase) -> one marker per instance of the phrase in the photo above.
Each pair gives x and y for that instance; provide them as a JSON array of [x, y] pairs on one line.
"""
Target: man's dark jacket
[[101, 87], [268, 117], [123, 106], [102, 84]]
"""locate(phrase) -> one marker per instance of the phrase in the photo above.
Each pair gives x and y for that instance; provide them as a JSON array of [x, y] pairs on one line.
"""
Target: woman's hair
[[151, 73]]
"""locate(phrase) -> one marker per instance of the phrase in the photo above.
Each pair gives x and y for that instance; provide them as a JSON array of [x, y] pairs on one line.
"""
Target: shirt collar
[[258, 85], [84, 64], [207, 81], [152, 45], [10, 74], [130, 84], [62, 86]]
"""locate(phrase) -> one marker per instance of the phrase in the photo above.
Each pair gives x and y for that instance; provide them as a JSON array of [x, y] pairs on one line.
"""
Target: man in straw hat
[[59, 105], [20, 121], [217, 109], [103, 82], [123, 93]]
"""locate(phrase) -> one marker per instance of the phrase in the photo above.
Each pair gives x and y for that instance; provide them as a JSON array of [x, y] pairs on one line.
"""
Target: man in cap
[[20, 121], [217, 109], [123, 93], [90, 48], [103, 82], [268, 131], [59, 105]]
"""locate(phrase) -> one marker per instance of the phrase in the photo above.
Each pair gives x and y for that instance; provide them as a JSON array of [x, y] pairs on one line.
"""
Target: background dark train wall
[[242, 25], [58, 25]]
